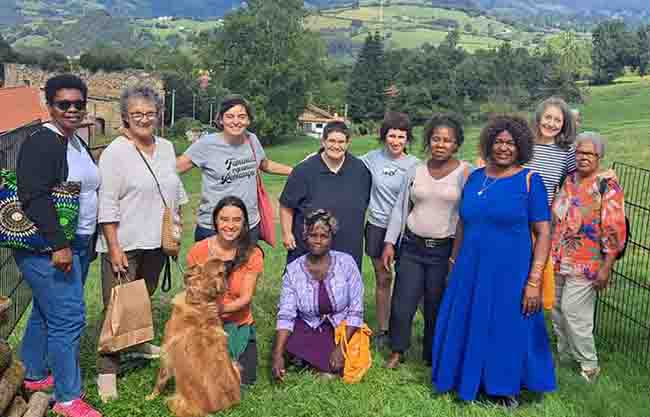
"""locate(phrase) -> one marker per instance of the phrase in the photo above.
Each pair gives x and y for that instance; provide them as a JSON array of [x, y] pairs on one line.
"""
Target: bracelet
[[537, 267], [532, 284], [452, 261]]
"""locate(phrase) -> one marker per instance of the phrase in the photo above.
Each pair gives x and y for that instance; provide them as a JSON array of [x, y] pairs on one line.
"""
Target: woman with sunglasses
[[51, 155], [138, 171]]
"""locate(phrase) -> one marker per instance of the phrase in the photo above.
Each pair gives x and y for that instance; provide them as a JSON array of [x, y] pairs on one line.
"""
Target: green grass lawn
[[619, 111]]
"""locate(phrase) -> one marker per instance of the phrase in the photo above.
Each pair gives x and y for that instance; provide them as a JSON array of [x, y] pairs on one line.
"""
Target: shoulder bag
[[171, 224], [264, 207], [17, 231], [548, 275]]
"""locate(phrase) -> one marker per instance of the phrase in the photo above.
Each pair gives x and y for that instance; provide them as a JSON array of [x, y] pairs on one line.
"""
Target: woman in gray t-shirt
[[388, 166], [229, 162]]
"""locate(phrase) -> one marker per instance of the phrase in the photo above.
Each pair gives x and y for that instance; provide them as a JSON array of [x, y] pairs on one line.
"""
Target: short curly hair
[[322, 217], [449, 120], [521, 133], [61, 82]]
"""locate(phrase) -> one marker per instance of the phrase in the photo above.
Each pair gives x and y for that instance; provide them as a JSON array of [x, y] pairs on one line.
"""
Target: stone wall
[[104, 89]]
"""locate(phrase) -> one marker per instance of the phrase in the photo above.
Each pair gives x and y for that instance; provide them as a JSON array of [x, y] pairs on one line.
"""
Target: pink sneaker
[[43, 385], [78, 408]]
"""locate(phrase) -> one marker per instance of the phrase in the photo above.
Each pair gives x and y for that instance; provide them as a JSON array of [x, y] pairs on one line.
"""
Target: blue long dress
[[482, 339]]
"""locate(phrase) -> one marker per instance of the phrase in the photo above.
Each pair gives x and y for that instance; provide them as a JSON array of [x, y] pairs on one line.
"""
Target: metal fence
[[12, 284], [623, 310]]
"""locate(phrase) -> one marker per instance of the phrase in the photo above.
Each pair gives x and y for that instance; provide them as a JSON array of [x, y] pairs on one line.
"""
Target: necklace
[[487, 185], [484, 187]]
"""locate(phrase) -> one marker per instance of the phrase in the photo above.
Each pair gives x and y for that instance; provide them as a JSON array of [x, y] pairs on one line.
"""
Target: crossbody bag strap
[[153, 175], [250, 143]]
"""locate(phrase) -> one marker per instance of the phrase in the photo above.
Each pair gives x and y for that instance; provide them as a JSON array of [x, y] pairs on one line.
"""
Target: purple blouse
[[299, 296]]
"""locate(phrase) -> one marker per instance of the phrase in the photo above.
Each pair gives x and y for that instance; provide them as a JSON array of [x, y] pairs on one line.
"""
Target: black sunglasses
[[64, 105]]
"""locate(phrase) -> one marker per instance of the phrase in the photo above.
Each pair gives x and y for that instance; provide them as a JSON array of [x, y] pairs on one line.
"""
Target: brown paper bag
[[128, 320]]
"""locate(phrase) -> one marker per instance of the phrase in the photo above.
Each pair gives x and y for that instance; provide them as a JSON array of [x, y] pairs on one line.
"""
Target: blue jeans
[[201, 233], [58, 319]]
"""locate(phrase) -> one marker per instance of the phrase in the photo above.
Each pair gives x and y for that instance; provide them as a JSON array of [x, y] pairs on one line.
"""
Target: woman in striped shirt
[[553, 155]]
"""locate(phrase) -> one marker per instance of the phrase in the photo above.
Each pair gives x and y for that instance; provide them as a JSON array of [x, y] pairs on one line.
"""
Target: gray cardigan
[[401, 209]]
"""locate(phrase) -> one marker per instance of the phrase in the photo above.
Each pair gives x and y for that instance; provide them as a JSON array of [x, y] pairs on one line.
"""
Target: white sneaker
[[590, 375], [107, 387], [143, 351]]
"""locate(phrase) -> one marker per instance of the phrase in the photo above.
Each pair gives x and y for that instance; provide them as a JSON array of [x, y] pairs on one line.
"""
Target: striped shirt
[[553, 164]]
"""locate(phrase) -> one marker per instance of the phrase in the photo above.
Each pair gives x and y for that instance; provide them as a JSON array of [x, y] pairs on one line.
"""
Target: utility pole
[[173, 106], [193, 106]]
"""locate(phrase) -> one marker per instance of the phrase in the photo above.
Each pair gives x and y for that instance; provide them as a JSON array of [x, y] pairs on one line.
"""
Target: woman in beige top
[[131, 204], [424, 222]]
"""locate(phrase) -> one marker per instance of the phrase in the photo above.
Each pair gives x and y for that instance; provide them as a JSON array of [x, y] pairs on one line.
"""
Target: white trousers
[[573, 320]]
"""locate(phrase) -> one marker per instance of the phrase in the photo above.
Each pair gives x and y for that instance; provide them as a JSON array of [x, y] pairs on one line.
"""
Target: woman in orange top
[[244, 264], [589, 232]]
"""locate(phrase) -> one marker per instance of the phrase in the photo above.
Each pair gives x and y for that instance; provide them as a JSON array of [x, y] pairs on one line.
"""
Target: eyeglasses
[[64, 105], [508, 143], [589, 155], [140, 116]]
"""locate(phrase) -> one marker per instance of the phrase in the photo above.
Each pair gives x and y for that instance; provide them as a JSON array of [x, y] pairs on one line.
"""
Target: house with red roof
[[20, 106]]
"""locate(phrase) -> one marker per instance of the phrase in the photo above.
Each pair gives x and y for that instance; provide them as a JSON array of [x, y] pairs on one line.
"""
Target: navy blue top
[[312, 185]]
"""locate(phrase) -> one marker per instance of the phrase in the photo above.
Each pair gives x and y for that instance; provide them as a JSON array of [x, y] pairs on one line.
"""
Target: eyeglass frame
[[138, 117]]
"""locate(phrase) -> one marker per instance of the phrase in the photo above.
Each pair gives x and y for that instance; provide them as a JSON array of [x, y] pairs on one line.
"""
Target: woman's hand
[[388, 256], [119, 261], [62, 259], [214, 309], [337, 360], [532, 301], [602, 278], [289, 241], [277, 368]]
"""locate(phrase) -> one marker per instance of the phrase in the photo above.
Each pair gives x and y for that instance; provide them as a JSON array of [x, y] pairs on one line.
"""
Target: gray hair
[[567, 134], [595, 139], [139, 91]]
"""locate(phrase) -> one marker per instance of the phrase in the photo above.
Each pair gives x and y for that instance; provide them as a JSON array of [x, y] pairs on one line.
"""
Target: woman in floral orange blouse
[[588, 233]]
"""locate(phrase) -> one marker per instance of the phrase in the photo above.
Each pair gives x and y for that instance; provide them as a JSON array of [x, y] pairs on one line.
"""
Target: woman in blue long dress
[[490, 335]]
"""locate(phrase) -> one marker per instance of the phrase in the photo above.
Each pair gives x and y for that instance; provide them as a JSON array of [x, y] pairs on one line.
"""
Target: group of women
[[471, 244]]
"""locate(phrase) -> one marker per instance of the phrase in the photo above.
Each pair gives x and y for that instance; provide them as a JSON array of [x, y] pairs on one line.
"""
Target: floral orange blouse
[[587, 224]]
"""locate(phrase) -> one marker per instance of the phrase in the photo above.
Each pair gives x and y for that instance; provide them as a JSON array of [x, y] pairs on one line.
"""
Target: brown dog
[[195, 348]]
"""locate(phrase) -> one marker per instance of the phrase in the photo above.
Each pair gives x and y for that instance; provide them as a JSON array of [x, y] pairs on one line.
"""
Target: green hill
[[409, 26]]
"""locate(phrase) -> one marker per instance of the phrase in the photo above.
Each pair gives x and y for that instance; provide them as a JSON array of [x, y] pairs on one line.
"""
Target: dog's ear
[[215, 273]]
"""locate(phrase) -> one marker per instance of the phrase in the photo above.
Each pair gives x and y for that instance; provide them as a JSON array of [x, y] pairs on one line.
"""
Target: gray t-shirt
[[387, 176], [226, 170]]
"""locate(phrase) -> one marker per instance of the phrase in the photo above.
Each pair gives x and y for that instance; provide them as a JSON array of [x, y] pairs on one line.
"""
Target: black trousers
[[248, 362], [420, 273]]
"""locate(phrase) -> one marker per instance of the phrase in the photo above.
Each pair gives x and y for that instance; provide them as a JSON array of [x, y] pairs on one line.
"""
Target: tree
[[264, 52], [612, 50], [7, 54], [574, 54], [643, 51], [103, 57], [367, 84]]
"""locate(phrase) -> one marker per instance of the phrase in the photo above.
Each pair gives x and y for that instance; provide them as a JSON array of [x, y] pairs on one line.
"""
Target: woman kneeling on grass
[[244, 264], [319, 291], [588, 233]]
